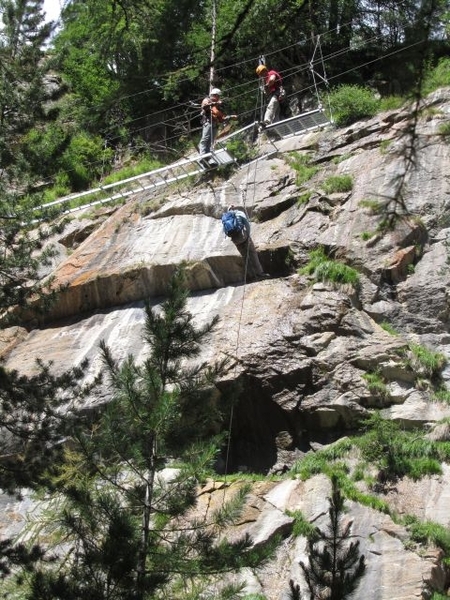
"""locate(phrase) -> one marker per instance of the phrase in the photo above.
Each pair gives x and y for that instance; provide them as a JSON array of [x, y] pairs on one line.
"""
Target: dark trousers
[[248, 252]]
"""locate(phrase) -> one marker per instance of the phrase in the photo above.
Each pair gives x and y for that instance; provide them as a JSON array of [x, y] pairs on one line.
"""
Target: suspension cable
[[318, 48]]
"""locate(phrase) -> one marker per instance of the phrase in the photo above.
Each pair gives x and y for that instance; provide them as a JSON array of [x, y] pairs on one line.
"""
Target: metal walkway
[[189, 167], [309, 121], [315, 119], [146, 181]]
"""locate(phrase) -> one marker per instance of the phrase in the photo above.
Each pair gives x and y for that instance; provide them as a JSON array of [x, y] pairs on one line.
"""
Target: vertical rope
[[261, 61], [243, 195]]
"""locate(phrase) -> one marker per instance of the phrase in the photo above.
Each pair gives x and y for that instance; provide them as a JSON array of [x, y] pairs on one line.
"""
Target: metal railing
[[146, 181]]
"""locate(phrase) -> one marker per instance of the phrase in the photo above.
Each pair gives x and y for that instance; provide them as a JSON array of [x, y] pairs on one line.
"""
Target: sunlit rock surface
[[300, 349]]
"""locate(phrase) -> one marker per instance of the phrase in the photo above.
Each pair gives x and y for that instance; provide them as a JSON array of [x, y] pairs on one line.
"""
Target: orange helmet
[[261, 69]]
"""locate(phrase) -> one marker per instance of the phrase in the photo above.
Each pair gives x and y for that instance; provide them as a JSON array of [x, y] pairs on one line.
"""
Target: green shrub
[[387, 224], [304, 198], [84, 160], [388, 327], [350, 103], [324, 461], [428, 532], [310, 465], [301, 165], [353, 493], [241, 151], [374, 205], [437, 77], [384, 145], [425, 361], [444, 129], [421, 466], [44, 146], [60, 188], [391, 102], [348, 488], [442, 395], [324, 269], [144, 165], [398, 453], [338, 183], [302, 527], [338, 159], [336, 272], [376, 384]]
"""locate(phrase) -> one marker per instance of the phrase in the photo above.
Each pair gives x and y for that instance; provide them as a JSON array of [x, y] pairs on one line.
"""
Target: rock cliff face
[[301, 349]]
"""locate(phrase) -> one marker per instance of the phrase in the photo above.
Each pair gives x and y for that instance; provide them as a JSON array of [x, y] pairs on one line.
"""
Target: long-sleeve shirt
[[212, 111]]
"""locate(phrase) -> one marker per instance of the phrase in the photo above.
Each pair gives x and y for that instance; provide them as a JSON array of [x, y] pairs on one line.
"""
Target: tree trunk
[[146, 517]]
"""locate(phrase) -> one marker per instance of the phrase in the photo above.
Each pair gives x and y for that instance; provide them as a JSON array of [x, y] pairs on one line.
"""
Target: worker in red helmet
[[273, 87]]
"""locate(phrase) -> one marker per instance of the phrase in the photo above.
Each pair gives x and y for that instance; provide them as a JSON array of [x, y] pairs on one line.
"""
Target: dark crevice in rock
[[386, 291], [74, 238], [264, 432], [257, 423], [277, 262], [315, 432], [266, 213], [320, 204]]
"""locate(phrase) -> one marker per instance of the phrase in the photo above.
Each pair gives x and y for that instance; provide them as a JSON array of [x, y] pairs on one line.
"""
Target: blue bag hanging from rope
[[231, 223]]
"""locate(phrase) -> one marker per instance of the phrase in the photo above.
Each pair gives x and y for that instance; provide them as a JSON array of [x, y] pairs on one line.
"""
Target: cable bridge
[[190, 167]]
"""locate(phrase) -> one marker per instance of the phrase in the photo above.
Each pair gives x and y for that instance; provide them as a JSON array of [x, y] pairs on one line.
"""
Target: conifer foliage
[[23, 65], [31, 427], [127, 501], [335, 563]]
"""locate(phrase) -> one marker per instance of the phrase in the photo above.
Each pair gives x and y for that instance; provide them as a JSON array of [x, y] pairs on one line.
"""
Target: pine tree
[[29, 420], [23, 65], [31, 424], [22, 68], [126, 516], [335, 566]]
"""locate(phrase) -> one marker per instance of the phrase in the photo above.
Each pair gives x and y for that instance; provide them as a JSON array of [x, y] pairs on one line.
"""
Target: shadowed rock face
[[300, 349]]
